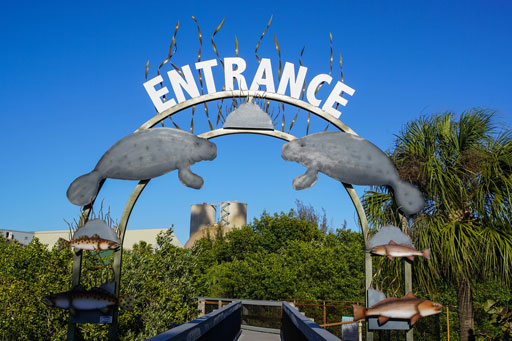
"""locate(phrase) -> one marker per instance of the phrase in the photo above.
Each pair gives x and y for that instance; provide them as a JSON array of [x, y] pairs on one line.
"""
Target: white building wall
[[50, 237], [22, 236]]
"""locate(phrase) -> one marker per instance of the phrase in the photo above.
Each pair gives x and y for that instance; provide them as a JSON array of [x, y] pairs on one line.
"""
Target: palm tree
[[464, 170]]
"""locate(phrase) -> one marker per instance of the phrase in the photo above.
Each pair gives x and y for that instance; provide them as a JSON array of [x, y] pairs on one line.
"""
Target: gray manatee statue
[[145, 154], [349, 159]]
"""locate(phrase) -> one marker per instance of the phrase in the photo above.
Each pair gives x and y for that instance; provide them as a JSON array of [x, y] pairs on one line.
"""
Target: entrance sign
[[234, 67], [151, 152]]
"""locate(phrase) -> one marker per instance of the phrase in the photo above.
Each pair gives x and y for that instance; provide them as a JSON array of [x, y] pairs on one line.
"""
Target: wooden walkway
[[259, 334]]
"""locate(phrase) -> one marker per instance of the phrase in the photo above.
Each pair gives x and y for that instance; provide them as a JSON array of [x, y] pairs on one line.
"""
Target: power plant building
[[203, 219]]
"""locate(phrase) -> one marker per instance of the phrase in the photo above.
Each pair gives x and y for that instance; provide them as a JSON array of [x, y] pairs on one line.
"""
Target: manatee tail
[[84, 189], [189, 179], [306, 180], [408, 198], [359, 312]]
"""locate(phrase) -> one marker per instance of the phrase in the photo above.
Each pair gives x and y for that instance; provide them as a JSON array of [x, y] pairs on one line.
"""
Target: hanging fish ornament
[[93, 299], [93, 243], [408, 307], [399, 250]]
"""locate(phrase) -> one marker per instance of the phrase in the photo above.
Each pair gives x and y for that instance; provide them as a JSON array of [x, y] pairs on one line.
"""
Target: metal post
[[201, 306], [438, 327], [77, 268], [408, 288], [368, 283], [407, 273], [325, 314], [367, 257], [118, 254], [75, 280], [448, 322]]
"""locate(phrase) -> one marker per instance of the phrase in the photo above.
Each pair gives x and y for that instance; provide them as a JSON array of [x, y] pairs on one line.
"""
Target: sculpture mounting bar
[[246, 93], [221, 132]]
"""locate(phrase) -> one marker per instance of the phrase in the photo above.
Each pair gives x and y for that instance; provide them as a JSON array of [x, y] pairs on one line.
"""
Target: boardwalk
[[226, 323], [259, 334]]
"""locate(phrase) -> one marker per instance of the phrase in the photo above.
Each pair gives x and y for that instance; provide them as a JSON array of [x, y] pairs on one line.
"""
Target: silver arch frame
[[139, 188]]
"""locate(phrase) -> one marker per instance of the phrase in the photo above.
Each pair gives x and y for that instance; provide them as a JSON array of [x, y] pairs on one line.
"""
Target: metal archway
[[139, 188]]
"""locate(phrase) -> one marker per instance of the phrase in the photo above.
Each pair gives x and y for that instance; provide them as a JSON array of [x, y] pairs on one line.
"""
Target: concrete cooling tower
[[203, 219], [233, 214], [201, 216]]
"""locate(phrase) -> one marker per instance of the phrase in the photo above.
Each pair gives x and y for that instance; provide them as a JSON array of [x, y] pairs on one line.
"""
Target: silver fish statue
[[350, 159], [143, 155], [399, 250], [408, 307], [81, 299]]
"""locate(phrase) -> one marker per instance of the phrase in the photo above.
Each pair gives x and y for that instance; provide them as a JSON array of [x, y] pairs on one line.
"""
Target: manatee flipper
[[190, 179], [408, 197], [306, 180], [84, 189]]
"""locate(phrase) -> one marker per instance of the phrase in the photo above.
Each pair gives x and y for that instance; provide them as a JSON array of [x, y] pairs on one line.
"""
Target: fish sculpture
[[93, 299], [399, 250], [350, 159], [145, 154], [94, 243], [408, 307]]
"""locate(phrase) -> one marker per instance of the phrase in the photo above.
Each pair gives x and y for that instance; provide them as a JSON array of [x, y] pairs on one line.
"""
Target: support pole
[[325, 315], [118, 254], [367, 257], [77, 269], [408, 288], [448, 322]]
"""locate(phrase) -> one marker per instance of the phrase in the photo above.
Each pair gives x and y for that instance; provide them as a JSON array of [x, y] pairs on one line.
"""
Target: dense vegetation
[[463, 166], [275, 257]]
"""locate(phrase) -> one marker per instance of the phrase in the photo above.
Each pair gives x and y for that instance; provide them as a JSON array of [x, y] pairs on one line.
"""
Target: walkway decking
[[259, 334]]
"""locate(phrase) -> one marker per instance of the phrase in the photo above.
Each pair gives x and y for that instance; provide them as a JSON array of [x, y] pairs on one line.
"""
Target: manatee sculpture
[[145, 154], [349, 159]]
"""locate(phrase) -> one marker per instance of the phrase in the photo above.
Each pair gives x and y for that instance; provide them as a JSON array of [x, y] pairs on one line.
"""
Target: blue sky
[[71, 86]]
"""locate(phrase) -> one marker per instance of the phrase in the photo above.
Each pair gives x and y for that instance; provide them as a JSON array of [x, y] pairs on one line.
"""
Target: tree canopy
[[463, 168]]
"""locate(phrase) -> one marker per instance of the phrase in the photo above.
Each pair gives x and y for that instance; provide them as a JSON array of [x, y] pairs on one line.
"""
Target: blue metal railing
[[297, 327], [221, 324], [225, 324]]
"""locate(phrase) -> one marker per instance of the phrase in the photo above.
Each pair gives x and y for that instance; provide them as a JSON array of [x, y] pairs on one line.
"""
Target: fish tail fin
[[426, 253], [359, 312], [408, 197], [83, 190], [62, 244], [126, 302]]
